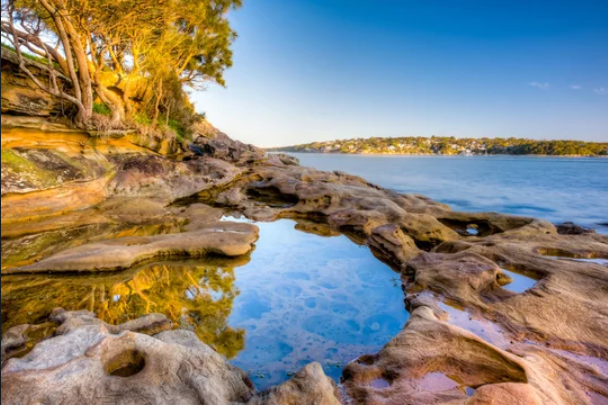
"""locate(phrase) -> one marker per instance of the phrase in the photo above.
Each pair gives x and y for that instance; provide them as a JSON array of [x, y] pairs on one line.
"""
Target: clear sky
[[310, 70]]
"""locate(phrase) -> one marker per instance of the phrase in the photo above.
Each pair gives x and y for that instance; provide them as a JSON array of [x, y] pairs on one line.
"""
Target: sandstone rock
[[568, 290], [309, 386], [90, 365], [283, 159], [505, 394], [21, 96], [166, 180], [218, 145], [24, 243], [92, 362], [69, 321], [229, 239], [47, 203], [464, 276], [347, 203], [454, 361], [14, 340], [392, 245], [26, 170]]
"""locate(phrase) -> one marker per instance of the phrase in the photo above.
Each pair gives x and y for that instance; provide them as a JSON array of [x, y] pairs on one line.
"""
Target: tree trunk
[[159, 96], [114, 103]]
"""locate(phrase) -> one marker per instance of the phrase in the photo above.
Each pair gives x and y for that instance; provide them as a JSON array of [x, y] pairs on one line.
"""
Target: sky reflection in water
[[308, 298]]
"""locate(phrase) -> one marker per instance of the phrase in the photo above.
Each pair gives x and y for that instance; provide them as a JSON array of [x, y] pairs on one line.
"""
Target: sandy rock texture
[[21, 96], [150, 176], [227, 239], [91, 362]]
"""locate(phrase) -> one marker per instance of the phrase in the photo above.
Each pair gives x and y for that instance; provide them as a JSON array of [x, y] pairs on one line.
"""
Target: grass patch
[[142, 119], [180, 132], [29, 56]]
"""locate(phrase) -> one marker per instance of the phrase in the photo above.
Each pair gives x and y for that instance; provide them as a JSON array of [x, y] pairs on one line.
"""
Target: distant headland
[[452, 146]]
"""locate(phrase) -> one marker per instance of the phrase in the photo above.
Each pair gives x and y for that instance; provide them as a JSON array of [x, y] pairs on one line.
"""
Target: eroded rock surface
[[458, 367], [91, 362], [227, 239], [167, 180]]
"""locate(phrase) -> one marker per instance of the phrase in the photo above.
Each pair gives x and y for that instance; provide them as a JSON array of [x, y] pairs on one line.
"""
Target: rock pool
[[299, 297]]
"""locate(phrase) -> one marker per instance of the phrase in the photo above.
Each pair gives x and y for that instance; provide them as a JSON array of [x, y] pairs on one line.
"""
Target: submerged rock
[[570, 228]]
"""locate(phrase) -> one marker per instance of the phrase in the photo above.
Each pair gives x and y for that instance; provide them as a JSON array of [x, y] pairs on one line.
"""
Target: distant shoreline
[[275, 150], [451, 146]]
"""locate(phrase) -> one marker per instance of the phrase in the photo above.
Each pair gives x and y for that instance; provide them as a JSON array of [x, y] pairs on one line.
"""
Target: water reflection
[[521, 282], [299, 297], [309, 298], [196, 296], [27, 249]]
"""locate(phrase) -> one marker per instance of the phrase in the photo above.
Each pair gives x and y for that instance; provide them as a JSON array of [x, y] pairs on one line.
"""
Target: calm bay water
[[556, 189]]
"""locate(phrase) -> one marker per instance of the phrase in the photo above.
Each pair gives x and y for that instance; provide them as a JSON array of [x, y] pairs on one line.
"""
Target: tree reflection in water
[[197, 296]]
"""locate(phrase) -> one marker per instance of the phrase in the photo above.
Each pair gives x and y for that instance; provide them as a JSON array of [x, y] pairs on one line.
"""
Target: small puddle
[[473, 231], [472, 228], [562, 255], [440, 382], [379, 384], [601, 262], [485, 329], [520, 284]]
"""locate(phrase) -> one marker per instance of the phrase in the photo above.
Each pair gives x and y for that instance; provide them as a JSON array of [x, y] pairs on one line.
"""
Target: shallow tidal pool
[[310, 298], [298, 297]]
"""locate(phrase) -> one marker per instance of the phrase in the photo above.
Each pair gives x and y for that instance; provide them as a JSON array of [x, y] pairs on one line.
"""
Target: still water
[[556, 189], [298, 297]]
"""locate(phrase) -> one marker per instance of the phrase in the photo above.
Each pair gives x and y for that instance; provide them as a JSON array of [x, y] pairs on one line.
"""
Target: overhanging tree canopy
[[131, 54]]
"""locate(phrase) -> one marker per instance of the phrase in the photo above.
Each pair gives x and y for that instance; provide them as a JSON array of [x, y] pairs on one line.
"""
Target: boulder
[[309, 386], [91, 362]]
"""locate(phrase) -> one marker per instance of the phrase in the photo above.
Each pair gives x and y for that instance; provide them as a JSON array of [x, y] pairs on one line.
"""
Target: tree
[[124, 53]]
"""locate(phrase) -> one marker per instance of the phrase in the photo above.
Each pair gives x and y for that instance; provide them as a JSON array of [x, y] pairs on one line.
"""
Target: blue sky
[[310, 70]]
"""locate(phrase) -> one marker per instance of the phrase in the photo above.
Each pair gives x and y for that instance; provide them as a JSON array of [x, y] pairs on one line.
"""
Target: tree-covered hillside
[[453, 146], [121, 64]]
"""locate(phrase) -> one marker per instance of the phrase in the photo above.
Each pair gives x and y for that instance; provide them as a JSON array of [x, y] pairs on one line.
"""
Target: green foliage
[[28, 55], [178, 129], [101, 109], [453, 146], [142, 119], [138, 56]]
